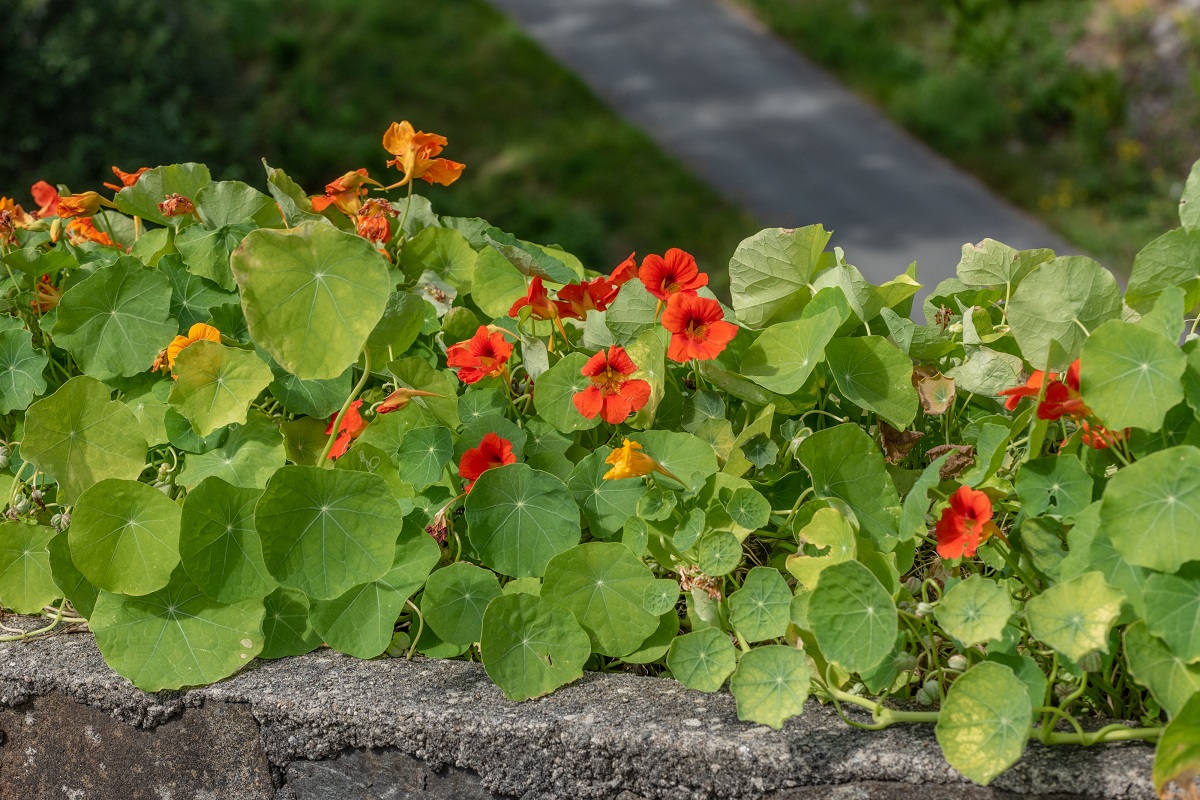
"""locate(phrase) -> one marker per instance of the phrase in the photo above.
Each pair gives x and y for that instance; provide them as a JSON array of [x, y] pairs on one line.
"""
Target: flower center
[[696, 332]]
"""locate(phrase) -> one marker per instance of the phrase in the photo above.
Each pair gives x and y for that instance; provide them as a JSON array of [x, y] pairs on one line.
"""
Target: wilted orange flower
[[1097, 437], [373, 221], [481, 356], [197, 333], [346, 193], [965, 524], [415, 155], [82, 230], [698, 328], [79, 205], [493, 451], [628, 461], [401, 398], [676, 272], [612, 395], [12, 217], [45, 295], [176, 205], [538, 301], [47, 197], [126, 178], [349, 429]]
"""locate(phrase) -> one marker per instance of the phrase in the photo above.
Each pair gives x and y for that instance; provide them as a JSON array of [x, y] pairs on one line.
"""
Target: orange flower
[[45, 295], [346, 193], [612, 395], [82, 230], [493, 451], [626, 271], [12, 217], [1062, 398], [78, 205], [1031, 388], [176, 205], [47, 197], [415, 155], [698, 328], [965, 524], [481, 356], [1097, 437], [401, 398], [126, 178], [373, 222], [628, 461], [670, 275], [538, 302], [197, 333], [350, 428], [575, 300]]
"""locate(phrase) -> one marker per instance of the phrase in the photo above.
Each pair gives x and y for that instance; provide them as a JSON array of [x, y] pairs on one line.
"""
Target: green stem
[[420, 629], [1109, 733], [58, 617], [358, 387]]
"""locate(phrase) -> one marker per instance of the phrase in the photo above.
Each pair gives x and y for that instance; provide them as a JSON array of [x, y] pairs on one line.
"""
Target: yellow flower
[[197, 333], [629, 461]]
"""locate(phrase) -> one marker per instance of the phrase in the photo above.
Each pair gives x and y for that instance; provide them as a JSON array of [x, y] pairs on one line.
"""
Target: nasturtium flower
[[82, 229], [199, 332], [575, 300], [349, 429], [401, 398], [698, 328], [493, 451], [1098, 437], [626, 271], [628, 461], [1031, 388], [1062, 397], [47, 197], [612, 395], [126, 178], [415, 155], [538, 300], [79, 205], [373, 221], [482, 356], [671, 274], [176, 205], [965, 524], [12, 217], [346, 193], [45, 295]]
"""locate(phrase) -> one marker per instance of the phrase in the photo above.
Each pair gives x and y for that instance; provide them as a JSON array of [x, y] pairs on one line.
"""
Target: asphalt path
[[774, 133]]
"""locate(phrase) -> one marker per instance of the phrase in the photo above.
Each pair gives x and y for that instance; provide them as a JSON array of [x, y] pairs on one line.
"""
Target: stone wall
[[329, 727]]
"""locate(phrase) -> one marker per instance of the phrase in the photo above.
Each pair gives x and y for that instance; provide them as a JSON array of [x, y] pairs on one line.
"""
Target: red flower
[[698, 328], [965, 524], [351, 428], [538, 301], [126, 178], [45, 196], [1032, 387], [612, 395], [577, 299], [493, 451], [1098, 437], [675, 273], [1062, 398], [346, 193], [626, 271], [481, 356]]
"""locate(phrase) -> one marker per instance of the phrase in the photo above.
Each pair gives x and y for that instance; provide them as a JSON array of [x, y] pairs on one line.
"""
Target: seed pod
[[957, 662]]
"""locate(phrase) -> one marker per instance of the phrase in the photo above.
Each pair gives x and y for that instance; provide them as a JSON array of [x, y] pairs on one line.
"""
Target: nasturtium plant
[[238, 423]]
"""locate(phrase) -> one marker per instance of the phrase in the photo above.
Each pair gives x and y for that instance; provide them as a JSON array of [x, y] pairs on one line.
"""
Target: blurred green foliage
[[312, 84]]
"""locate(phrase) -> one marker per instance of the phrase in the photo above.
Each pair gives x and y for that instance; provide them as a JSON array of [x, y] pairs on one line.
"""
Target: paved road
[[774, 133]]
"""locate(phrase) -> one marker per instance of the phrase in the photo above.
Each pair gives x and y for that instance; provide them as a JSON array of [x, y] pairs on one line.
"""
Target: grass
[[998, 86], [316, 83]]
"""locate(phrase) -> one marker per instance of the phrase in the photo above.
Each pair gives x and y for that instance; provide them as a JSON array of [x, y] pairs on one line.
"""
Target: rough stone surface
[[383, 774], [599, 738]]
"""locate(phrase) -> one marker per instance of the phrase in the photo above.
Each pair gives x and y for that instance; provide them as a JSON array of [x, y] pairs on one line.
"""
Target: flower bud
[[905, 662], [22, 506], [79, 205], [924, 609], [929, 693], [913, 585], [957, 662], [4, 458], [163, 470]]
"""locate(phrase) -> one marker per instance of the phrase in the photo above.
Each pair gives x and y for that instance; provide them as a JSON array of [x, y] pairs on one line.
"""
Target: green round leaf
[[70, 581], [442, 250], [719, 554], [216, 384], [606, 504], [520, 518], [286, 631], [760, 609], [833, 537], [80, 436], [1169, 678], [1173, 610], [359, 622], [175, 636], [1177, 756], [846, 463], [658, 643], [249, 457], [1151, 509], [116, 320], [770, 272], [218, 545], [555, 389], [142, 198], [771, 684], [326, 531], [1130, 375], [181, 434], [1058, 485], [690, 531], [784, 355], [602, 584], [531, 647], [206, 251], [749, 509], [853, 617], [227, 202], [660, 596], [455, 599], [192, 297], [874, 374], [1057, 304], [1075, 616], [20, 371], [975, 611], [687, 457], [702, 660], [124, 536], [312, 295], [423, 454], [1172, 259], [26, 580], [984, 723], [631, 314]]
